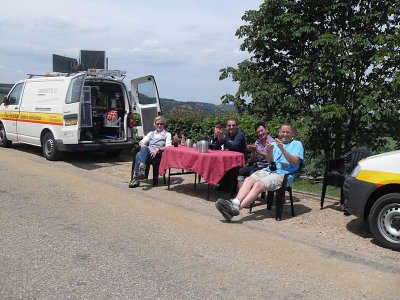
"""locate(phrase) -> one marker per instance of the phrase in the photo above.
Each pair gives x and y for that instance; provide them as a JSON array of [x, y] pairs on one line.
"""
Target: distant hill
[[171, 106], [168, 106]]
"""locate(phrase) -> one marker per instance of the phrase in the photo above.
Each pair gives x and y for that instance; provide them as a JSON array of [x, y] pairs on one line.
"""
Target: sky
[[183, 43]]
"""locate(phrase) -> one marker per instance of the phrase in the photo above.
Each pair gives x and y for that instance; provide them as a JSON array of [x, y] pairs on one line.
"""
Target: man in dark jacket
[[234, 140]]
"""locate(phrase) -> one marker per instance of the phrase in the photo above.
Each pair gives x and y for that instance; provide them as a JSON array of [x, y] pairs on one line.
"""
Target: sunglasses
[[231, 125], [159, 124]]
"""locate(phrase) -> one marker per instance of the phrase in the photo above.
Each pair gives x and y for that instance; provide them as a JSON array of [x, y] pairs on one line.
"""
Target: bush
[[195, 125]]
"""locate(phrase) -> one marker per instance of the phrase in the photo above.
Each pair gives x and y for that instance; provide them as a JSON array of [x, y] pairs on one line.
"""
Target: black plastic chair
[[280, 196], [337, 169], [154, 162]]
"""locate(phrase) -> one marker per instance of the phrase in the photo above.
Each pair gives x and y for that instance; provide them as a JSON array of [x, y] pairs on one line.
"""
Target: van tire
[[50, 151], [4, 142], [384, 221]]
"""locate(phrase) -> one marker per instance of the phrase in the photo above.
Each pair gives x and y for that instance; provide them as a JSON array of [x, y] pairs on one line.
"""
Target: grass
[[310, 186]]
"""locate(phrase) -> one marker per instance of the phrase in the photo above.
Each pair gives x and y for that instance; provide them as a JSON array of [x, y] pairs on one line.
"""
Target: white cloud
[[183, 43], [150, 43]]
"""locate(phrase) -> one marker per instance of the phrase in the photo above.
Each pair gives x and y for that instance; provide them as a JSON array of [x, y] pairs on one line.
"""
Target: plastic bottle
[[183, 140]]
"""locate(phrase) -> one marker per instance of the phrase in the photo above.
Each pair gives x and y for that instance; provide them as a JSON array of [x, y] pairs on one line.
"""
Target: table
[[211, 165]]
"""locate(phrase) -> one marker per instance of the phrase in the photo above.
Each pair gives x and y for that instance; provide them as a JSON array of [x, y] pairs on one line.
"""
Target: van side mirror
[[6, 101]]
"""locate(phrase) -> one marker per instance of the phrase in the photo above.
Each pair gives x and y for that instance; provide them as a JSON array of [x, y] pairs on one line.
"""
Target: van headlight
[[355, 171]]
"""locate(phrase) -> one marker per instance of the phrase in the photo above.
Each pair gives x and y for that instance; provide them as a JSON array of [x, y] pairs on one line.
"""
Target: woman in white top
[[151, 147]]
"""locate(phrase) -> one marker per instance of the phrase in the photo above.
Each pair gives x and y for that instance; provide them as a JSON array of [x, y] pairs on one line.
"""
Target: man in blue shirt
[[287, 155]]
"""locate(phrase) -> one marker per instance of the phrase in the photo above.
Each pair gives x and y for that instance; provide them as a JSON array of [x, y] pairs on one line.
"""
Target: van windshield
[[147, 93], [75, 89]]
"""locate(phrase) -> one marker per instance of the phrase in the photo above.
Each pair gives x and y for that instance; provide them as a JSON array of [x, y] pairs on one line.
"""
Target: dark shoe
[[226, 208], [134, 183], [142, 171]]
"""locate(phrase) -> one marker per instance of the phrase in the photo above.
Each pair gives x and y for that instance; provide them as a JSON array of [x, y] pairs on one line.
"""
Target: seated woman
[[151, 147]]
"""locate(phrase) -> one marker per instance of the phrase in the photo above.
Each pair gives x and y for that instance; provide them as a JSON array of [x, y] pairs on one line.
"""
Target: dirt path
[[175, 244]]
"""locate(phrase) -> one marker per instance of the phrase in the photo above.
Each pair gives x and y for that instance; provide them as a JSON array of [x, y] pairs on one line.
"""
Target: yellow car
[[372, 192]]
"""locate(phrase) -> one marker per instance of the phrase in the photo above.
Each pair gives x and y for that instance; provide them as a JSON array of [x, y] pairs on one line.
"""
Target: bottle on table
[[183, 140], [175, 140]]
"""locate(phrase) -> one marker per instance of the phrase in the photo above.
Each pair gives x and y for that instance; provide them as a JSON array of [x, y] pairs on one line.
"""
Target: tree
[[333, 65]]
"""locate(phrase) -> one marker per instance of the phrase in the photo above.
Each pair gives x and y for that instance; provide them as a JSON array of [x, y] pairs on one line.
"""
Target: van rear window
[[147, 93], [75, 89]]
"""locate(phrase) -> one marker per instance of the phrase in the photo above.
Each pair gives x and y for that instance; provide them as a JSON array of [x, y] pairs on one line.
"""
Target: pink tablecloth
[[211, 165]]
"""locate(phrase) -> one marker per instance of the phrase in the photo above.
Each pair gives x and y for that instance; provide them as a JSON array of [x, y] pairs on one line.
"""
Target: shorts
[[246, 172], [272, 181]]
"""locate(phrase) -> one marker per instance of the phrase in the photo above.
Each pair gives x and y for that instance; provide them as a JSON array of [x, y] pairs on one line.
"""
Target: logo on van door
[[45, 91], [9, 115]]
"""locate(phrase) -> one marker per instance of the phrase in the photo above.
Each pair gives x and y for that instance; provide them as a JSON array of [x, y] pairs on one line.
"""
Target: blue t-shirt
[[282, 165]]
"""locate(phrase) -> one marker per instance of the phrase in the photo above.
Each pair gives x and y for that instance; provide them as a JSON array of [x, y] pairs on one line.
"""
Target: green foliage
[[308, 185], [169, 106], [194, 125], [331, 68]]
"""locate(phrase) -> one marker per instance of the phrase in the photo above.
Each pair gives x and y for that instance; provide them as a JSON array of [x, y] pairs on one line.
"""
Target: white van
[[372, 192], [89, 110]]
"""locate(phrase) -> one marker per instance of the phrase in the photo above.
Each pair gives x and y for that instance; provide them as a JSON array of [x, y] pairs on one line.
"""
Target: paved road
[[69, 233]]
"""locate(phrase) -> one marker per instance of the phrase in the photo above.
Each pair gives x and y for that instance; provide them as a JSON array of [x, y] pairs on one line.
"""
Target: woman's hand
[[154, 152]]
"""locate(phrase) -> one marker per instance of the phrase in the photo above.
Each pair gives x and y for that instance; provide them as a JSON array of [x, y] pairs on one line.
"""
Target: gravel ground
[[328, 225]]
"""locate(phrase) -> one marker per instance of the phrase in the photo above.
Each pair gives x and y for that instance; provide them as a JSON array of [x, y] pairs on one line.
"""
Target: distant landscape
[[168, 106]]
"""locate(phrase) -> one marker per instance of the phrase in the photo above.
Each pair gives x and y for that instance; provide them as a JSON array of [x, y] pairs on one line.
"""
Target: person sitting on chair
[[234, 140], [284, 155], [258, 153], [151, 147], [215, 145]]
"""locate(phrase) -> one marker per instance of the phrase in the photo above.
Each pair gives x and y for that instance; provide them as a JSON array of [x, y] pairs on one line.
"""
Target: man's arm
[[292, 158]]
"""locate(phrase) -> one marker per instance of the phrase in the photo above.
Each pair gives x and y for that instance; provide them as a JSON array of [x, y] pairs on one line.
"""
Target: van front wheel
[[384, 221], [4, 142], [50, 151]]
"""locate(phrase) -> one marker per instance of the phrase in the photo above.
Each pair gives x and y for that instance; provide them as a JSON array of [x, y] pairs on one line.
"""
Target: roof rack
[[49, 74], [106, 73], [91, 72]]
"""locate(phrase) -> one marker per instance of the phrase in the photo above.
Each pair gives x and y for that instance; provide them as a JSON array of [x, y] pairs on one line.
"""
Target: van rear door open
[[145, 102], [72, 108]]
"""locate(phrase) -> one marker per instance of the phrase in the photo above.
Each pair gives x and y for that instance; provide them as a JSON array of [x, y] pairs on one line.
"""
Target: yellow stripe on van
[[8, 115], [33, 117], [378, 178]]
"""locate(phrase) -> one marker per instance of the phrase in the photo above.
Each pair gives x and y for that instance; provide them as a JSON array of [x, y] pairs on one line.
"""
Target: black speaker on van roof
[[64, 64], [93, 59]]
